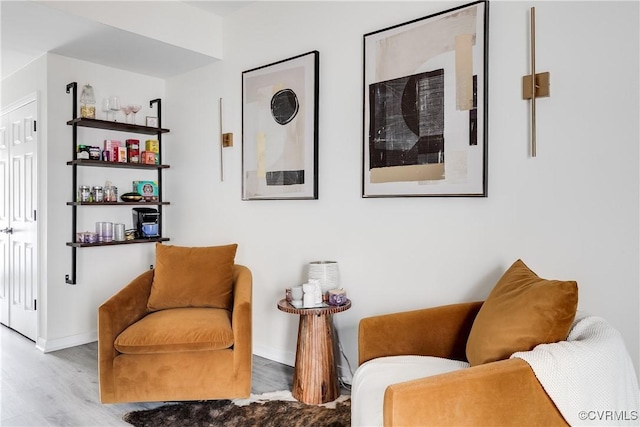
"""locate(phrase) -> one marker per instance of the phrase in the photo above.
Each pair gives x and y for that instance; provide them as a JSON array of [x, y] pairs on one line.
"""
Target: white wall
[[570, 213]]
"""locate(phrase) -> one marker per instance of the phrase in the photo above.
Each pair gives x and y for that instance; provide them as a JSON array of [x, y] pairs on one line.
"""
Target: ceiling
[[28, 29]]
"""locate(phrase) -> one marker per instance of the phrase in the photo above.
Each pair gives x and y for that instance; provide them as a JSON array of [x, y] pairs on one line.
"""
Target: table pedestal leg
[[314, 378]]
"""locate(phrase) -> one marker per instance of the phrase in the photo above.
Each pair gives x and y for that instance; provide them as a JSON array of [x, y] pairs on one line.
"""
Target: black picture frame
[[425, 90], [280, 129]]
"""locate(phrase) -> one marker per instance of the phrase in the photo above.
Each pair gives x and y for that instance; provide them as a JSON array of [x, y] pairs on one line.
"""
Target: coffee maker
[[145, 221]]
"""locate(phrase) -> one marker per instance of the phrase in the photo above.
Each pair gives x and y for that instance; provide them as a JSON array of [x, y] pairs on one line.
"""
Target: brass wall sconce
[[226, 140], [537, 87]]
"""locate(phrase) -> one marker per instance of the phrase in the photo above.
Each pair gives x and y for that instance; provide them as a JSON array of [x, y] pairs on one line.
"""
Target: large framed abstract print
[[425, 106], [280, 129]]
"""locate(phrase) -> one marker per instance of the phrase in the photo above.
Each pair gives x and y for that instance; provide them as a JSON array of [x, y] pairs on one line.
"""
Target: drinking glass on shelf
[[126, 109], [134, 109], [114, 106], [106, 107]]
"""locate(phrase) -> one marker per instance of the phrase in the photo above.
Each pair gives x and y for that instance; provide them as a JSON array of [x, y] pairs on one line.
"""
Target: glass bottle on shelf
[[87, 102], [110, 192]]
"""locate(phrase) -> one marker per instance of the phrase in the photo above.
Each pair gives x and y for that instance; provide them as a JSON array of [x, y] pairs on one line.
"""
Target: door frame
[[40, 236]]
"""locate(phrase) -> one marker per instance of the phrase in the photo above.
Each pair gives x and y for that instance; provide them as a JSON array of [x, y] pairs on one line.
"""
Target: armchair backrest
[[438, 331]]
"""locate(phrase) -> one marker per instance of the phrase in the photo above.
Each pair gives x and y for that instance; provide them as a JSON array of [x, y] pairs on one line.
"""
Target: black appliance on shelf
[[145, 221]]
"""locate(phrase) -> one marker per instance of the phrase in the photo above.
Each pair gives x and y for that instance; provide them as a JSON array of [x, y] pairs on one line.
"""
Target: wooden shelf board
[[126, 242], [117, 203], [118, 126], [103, 164]]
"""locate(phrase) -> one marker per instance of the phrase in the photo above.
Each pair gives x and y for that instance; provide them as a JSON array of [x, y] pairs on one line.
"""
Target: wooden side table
[[315, 379]]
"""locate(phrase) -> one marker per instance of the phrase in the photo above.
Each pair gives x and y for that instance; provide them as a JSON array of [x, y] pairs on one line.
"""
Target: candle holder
[[327, 273]]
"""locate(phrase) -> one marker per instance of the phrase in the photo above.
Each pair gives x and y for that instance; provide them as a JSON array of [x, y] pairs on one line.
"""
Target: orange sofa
[[190, 353]]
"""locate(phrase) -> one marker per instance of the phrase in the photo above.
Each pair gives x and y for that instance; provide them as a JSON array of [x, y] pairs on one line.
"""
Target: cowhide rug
[[277, 409]]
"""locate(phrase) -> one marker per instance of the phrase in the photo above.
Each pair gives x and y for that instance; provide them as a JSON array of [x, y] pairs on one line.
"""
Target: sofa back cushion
[[522, 311], [192, 277]]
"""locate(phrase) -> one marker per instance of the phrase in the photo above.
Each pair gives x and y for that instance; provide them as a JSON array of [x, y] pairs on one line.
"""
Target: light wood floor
[[61, 388]]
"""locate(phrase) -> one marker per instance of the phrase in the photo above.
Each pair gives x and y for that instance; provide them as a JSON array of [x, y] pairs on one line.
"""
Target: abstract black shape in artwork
[[284, 106], [407, 120], [285, 177], [473, 115]]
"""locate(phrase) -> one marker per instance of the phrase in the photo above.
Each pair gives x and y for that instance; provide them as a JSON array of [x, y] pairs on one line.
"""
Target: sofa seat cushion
[[373, 377], [176, 330]]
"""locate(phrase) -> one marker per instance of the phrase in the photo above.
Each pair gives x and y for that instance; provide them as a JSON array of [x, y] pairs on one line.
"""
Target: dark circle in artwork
[[284, 106], [409, 105]]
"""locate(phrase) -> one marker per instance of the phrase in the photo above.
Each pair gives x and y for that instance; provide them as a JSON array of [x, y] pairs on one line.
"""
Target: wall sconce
[[534, 85], [226, 140]]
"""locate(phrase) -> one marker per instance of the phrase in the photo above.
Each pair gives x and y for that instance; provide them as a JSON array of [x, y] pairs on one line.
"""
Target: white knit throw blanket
[[590, 377]]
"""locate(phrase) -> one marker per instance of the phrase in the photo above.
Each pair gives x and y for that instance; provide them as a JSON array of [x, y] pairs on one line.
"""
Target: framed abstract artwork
[[425, 106], [280, 129]]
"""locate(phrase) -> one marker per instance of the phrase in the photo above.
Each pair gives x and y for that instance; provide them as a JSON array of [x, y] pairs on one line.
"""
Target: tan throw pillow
[[192, 277], [522, 311]]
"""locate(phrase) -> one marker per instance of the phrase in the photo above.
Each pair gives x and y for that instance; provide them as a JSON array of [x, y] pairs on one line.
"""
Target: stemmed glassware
[[126, 109], [106, 107], [114, 106], [134, 109]]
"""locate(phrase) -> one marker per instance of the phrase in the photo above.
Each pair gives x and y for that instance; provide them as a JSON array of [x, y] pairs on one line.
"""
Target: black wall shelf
[[125, 242], [84, 122]]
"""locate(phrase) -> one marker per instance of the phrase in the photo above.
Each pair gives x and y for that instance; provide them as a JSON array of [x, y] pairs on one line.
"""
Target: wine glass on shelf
[[106, 108], [114, 106], [126, 109], [134, 109]]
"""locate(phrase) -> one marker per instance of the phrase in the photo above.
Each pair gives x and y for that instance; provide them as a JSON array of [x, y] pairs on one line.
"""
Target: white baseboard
[[47, 346], [281, 356]]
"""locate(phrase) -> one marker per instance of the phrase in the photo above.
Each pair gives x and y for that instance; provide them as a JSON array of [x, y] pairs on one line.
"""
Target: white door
[[18, 195], [4, 220]]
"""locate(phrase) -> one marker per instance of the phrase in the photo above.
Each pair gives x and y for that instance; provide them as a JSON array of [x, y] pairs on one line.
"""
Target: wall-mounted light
[[534, 85], [226, 140]]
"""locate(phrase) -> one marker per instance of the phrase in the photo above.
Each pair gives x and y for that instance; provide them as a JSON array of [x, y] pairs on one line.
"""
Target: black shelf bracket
[[158, 103], [73, 89], [71, 280]]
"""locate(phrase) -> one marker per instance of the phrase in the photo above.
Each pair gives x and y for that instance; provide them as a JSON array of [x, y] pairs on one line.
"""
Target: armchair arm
[[124, 308], [241, 320], [438, 331], [500, 393]]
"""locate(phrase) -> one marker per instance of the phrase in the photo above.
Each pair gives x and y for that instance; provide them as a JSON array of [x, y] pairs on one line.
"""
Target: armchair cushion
[[177, 330], [522, 311], [372, 378], [192, 277]]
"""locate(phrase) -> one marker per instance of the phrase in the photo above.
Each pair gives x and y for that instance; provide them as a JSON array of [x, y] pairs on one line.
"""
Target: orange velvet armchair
[[504, 392], [177, 354], [470, 378]]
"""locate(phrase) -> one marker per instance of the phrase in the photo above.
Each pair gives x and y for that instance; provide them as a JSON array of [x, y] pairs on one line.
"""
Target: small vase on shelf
[[87, 102]]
